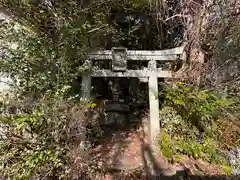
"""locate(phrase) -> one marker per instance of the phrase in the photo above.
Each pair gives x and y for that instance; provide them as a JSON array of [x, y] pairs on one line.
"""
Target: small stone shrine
[[115, 66]]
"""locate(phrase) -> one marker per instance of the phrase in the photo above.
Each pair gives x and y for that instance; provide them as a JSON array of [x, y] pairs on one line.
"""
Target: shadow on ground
[[153, 170], [126, 154], [149, 165]]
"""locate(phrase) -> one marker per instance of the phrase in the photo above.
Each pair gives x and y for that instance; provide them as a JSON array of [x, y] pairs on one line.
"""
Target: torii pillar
[[153, 101]]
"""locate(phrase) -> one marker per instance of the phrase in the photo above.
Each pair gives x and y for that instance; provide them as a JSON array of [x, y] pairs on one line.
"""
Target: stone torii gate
[[119, 58]]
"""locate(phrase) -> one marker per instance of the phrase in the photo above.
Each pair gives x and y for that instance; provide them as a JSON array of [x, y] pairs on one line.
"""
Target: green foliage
[[34, 64], [45, 46], [33, 163], [173, 147], [206, 150], [227, 169], [197, 106], [31, 147], [45, 43], [166, 146], [37, 144], [186, 114], [45, 49]]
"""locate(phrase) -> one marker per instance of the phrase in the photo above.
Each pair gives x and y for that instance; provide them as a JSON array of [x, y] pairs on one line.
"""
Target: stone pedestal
[[117, 113]]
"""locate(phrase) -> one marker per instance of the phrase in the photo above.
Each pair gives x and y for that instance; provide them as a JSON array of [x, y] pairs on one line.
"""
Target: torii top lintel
[[120, 56]]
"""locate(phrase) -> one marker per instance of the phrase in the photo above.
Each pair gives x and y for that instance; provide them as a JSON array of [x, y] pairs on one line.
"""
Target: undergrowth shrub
[[173, 147], [45, 142], [190, 124], [195, 105]]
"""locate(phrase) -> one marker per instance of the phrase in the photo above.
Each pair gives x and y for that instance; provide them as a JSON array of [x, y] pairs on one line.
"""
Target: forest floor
[[129, 155]]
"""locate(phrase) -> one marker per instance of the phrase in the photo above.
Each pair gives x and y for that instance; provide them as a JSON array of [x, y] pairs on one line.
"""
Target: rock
[[234, 159]]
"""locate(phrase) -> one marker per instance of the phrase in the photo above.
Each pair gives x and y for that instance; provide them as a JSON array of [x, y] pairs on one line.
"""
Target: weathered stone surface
[[131, 73], [4, 83], [153, 101], [119, 59], [152, 73], [116, 118], [234, 157], [86, 86], [117, 107], [162, 55]]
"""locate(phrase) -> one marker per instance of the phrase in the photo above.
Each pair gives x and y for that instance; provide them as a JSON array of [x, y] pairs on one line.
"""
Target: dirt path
[[129, 151]]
